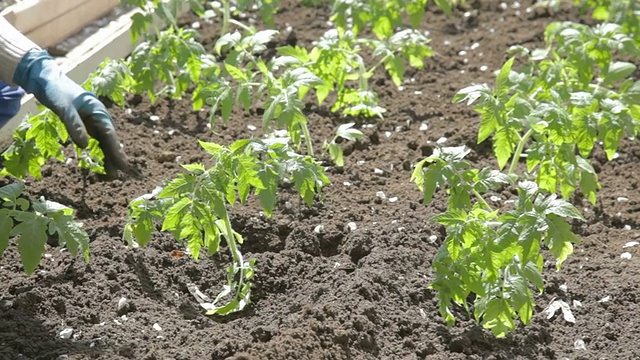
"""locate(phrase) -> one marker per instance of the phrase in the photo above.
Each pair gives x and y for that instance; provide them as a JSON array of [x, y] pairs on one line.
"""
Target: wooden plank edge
[[31, 15], [71, 22], [114, 42]]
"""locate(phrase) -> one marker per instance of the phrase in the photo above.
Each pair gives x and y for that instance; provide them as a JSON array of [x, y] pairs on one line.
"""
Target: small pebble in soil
[[166, 157], [563, 287], [378, 171], [346, 183], [423, 127], [66, 333], [360, 162], [387, 133], [393, 199], [252, 127], [417, 92], [381, 195], [494, 198], [352, 226], [475, 46], [484, 68], [157, 327], [154, 117], [433, 239], [622, 199], [122, 303], [626, 255], [631, 244], [462, 53], [319, 229], [195, 25], [579, 345], [442, 140]]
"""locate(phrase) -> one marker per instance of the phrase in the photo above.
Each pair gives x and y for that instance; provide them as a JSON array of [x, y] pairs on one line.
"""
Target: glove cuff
[[13, 47]]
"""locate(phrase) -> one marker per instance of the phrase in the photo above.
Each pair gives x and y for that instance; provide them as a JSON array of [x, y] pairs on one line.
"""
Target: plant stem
[[481, 200], [226, 15], [307, 138], [237, 256], [518, 152]]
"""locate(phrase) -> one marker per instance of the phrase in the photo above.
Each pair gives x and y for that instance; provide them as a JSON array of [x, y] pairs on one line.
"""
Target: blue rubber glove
[[81, 111]]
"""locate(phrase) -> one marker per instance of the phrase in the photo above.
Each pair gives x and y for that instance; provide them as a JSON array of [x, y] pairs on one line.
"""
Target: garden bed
[[342, 293]]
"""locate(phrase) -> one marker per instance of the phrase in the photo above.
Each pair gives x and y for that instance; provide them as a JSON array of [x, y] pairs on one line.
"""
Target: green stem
[[237, 256], [240, 25], [390, 54], [226, 15], [363, 71], [307, 138], [481, 200], [518, 152]]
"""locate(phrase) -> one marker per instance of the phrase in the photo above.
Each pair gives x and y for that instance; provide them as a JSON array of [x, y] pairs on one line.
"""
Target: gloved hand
[[81, 111]]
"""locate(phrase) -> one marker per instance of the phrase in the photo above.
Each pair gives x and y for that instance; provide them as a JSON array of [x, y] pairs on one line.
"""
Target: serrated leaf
[[503, 146], [235, 72], [32, 235], [347, 131], [336, 153], [560, 239], [11, 192], [227, 40], [502, 81], [619, 71], [173, 216], [532, 273], [6, 225]]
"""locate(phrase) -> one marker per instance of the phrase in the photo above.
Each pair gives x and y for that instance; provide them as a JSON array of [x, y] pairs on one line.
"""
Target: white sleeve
[[13, 46]]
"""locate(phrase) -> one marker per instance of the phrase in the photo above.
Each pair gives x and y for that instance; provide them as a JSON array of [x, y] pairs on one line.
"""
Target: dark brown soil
[[341, 294]]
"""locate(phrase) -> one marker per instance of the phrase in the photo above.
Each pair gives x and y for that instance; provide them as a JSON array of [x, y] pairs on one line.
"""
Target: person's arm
[[13, 47], [25, 64]]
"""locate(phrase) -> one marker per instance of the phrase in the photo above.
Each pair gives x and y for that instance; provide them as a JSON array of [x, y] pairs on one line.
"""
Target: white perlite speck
[[66, 333], [122, 303]]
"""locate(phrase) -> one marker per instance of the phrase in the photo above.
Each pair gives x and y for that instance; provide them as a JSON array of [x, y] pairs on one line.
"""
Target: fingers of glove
[[73, 123], [100, 126]]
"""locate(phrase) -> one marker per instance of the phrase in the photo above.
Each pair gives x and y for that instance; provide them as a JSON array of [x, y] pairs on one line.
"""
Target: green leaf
[[503, 146], [532, 273], [336, 153], [502, 82], [235, 72], [619, 71], [498, 317], [347, 131], [32, 235], [6, 226], [560, 239], [383, 27], [173, 216], [11, 192]]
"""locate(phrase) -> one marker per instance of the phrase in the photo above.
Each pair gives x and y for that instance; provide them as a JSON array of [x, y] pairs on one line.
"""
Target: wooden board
[[30, 15], [48, 22], [71, 22]]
